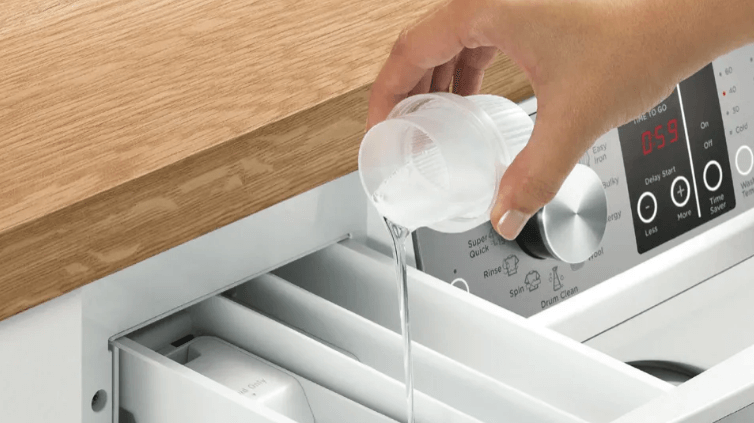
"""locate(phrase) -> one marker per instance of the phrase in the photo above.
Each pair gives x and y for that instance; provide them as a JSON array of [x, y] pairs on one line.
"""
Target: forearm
[[698, 31], [730, 23]]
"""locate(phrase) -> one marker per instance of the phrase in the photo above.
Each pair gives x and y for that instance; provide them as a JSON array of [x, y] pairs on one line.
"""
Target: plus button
[[680, 191]]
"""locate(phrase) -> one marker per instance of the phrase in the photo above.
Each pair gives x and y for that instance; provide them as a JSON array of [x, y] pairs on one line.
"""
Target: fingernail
[[511, 224]]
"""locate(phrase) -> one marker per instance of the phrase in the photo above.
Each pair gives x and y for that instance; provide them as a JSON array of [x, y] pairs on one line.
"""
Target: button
[[744, 160], [679, 191], [647, 206], [460, 284], [713, 175]]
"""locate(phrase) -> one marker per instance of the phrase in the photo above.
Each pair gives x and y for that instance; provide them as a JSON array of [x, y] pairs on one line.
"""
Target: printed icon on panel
[[555, 278], [495, 237], [511, 265], [585, 159], [577, 266], [532, 280]]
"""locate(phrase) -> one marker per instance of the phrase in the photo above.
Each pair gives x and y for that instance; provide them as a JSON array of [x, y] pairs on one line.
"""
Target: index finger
[[430, 42]]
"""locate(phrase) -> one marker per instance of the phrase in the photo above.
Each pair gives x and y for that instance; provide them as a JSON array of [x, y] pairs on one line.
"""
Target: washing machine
[[291, 314]]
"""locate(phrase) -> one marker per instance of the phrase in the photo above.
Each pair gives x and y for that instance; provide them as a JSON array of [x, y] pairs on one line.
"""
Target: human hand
[[593, 65]]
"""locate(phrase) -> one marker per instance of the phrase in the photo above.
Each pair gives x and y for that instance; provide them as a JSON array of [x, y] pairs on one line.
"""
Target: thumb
[[536, 174]]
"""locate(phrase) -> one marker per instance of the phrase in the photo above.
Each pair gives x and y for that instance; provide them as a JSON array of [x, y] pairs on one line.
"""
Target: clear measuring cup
[[437, 160]]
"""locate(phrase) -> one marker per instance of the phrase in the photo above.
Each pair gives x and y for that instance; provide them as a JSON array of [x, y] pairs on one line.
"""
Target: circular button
[[744, 160], [647, 206], [679, 191], [460, 284], [713, 175]]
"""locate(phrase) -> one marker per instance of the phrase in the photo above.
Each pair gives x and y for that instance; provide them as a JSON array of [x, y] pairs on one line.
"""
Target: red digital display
[[656, 140]]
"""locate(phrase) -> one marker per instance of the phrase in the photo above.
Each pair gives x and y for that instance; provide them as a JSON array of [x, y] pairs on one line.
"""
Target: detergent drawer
[[317, 341]]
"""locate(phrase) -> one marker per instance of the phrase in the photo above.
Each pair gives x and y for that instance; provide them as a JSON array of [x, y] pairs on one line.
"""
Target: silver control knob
[[571, 226]]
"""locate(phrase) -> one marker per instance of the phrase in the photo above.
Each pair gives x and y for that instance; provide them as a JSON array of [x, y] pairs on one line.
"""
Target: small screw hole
[[99, 400]]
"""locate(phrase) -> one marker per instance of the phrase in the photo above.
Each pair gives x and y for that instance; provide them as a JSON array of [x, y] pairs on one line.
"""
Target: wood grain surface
[[131, 126]]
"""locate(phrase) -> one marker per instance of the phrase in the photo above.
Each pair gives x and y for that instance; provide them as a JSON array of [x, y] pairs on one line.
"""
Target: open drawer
[[317, 340]]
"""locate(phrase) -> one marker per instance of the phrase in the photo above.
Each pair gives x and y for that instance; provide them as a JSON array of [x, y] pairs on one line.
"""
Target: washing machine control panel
[[675, 171], [676, 163]]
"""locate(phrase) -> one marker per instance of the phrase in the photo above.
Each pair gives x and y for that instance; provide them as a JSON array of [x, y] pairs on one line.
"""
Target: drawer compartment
[[448, 381], [477, 334], [327, 325], [152, 379], [155, 390]]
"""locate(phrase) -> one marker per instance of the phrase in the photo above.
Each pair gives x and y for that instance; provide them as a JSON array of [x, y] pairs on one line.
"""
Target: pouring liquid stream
[[399, 235]]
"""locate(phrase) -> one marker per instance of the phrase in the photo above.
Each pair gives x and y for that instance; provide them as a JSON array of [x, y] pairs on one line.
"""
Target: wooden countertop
[[132, 126]]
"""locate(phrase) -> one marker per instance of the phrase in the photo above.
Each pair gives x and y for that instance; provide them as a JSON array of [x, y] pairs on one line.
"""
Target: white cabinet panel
[[716, 395], [40, 363]]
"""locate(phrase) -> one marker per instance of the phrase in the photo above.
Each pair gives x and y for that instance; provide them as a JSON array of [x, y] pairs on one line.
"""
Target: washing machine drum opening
[[673, 373]]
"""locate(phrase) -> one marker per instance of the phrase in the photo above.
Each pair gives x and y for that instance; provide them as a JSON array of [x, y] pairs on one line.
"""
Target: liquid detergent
[[435, 162]]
